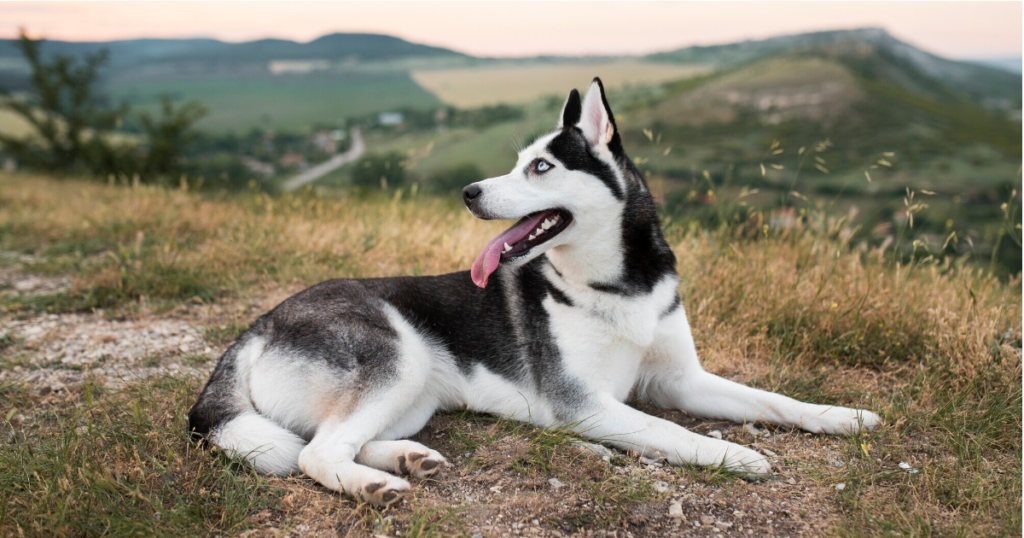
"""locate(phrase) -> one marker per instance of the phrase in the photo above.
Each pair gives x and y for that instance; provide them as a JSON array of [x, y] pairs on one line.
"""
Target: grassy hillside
[[933, 346]]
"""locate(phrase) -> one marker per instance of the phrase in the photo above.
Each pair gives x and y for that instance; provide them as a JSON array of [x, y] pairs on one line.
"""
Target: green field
[[525, 82], [294, 102]]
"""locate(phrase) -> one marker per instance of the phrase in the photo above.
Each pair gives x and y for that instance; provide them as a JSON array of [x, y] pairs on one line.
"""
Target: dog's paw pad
[[421, 464], [384, 493]]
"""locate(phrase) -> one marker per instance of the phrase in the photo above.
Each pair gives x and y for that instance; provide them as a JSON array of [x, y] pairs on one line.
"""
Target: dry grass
[[473, 87], [155, 247], [934, 346]]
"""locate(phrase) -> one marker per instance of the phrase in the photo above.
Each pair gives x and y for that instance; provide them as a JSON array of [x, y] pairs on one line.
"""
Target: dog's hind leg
[[405, 457], [330, 460], [332, 457]]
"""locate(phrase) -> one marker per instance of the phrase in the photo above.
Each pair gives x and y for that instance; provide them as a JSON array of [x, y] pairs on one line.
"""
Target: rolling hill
[[875, 53]]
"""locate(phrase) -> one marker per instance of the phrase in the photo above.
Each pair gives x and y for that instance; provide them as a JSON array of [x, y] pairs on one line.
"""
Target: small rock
[[556, 483], [840, 486], [707, 520], [661, 486], [721, 525], [906, 467], [675, 510], [791, 481], [739, 513], [768, 452], [754, 432], [715, 433]]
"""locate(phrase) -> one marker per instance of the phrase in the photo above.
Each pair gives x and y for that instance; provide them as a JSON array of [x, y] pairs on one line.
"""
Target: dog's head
[[566, 185]]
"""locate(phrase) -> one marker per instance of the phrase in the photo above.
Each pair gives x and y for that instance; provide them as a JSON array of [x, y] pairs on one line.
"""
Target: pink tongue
[[489, 259]]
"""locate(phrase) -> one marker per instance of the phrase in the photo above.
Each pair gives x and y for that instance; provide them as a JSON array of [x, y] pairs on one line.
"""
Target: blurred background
[[902, 118]]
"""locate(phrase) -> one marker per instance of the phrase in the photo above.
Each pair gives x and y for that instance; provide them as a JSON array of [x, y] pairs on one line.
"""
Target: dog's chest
[[603, 341]]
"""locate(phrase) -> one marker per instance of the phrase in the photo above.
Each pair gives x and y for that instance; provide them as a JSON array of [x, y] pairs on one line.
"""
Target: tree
[[72, 126], [169, 137], [63, 110]]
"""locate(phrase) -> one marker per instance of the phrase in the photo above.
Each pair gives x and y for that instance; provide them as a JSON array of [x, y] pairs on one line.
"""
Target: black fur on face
[[570, 147]]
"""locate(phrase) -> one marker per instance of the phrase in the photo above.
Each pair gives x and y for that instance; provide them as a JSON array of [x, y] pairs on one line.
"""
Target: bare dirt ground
[[504, 479]]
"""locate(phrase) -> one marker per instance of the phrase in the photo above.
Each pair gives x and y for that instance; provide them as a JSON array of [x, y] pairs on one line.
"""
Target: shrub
[[455, 178], [379, 170]]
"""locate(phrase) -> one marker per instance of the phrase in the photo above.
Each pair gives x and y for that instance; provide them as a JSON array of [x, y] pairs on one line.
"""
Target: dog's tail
[[225, 416]]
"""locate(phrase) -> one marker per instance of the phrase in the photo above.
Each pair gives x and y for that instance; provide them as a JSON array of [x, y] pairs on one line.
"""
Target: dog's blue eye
[[542, 166]]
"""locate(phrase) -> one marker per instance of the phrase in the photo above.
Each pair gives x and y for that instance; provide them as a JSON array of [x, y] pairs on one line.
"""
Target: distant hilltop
[[142, 57]]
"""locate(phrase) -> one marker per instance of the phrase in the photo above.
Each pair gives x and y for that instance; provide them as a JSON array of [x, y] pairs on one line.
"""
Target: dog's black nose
[[471, 192]]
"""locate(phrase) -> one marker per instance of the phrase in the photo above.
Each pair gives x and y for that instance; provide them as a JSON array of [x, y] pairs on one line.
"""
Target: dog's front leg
[[673, 378], [612, 422]]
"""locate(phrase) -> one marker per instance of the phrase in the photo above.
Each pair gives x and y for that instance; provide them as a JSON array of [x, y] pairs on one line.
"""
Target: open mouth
[[516, 242]]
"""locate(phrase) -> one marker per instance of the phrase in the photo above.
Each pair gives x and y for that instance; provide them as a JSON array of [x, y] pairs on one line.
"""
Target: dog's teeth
[[532, 237], [539, 231], [508, 247], [547, 224]]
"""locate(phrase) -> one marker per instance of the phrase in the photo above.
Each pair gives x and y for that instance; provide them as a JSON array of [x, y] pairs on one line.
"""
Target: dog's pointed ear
[[570, 110], [597, 122]]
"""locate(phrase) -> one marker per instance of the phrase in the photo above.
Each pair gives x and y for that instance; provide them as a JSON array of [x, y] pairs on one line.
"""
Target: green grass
[[284, 102], [119, 464]]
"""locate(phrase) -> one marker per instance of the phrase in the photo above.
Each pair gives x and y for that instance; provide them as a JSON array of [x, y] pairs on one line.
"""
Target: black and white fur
[[332, 380]]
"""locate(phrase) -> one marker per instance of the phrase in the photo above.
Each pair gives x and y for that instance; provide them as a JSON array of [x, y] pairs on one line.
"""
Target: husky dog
[[562, 318]]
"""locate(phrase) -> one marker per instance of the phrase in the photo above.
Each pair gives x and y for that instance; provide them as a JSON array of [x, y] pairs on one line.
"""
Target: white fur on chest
[[603, 337]]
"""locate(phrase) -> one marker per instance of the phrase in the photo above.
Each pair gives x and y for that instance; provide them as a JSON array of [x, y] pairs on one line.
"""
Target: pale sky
[[952, 29]]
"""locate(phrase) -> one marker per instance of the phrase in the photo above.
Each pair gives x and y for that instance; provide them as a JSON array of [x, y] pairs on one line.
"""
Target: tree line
[[72, 129]]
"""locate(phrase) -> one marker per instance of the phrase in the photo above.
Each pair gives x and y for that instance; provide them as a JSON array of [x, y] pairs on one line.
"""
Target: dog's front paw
[[843, 421], [747, 462]]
